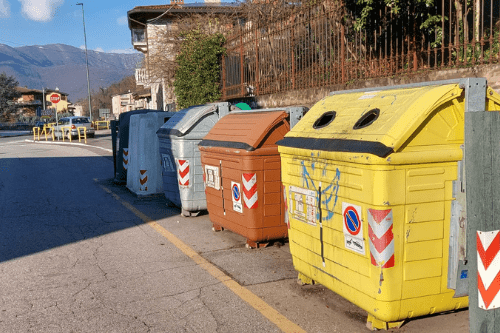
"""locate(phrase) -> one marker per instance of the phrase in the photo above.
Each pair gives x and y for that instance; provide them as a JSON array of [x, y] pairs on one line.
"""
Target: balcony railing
[[141, 77]]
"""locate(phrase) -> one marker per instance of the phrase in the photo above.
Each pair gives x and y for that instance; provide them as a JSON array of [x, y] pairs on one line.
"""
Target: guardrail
[[69, 132], [48, 129], [99, 123], [80, 135]]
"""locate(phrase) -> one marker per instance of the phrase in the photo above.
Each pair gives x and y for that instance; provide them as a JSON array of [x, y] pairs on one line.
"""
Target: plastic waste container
[[122, 155], [181, 166], [369, 178], [144, 165], [242, 173]]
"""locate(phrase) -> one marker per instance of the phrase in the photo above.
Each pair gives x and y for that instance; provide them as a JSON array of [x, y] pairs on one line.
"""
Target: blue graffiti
[[329, 200]]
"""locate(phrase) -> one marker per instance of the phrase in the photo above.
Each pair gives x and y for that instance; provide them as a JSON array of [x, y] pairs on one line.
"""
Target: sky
[[41, 22]]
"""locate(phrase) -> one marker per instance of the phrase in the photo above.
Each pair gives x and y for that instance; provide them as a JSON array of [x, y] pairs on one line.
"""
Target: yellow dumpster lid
[[245, 130], [375, 122]]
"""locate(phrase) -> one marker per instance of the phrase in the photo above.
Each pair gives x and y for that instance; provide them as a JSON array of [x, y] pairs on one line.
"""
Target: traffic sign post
[[482, 190], [55, 98]]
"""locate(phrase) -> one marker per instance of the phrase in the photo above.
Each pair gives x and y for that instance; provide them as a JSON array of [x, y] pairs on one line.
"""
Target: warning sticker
[[212, 178], [353, 227], [303, 204], [236, 195], [166, 162]]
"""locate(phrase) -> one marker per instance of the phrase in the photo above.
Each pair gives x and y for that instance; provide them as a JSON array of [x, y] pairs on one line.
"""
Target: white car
[[70, 125]]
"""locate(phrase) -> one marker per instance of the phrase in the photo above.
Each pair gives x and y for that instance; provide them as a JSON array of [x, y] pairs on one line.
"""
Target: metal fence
[[316, 46]]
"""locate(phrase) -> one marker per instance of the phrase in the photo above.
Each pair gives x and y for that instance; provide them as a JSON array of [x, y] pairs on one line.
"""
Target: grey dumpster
[[122, 155], [144, 168], [182, 173]]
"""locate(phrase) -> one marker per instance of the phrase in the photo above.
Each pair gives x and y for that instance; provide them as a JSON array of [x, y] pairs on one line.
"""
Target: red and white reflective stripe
[[381, 237], [143, 180], [125, 158], [249, 181], [183, 172], [488, 269]]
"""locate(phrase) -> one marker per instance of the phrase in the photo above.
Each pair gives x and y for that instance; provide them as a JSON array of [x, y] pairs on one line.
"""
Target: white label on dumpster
[[353, 228], [303, 204], [166, 162], [212, 178], [236, 195], [369, 95]]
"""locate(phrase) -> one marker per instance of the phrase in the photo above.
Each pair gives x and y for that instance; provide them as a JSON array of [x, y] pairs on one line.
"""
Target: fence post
[[224, 92], [342, 52], [242, 58], [292, 47], [257, 76], [482, 137]]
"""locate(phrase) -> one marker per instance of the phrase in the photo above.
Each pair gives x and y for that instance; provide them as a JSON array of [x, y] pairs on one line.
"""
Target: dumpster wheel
[[255, 245], [305, 280], [216, 227], [187, 213], [374, 324]]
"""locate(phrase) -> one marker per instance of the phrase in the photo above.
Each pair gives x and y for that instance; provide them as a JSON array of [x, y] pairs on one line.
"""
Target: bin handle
[[190, 123]]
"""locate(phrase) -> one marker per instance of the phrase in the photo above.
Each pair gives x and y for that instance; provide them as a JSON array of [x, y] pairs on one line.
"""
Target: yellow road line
[[253, 300]]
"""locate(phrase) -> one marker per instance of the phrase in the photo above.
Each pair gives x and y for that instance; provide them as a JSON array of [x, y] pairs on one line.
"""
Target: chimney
[[176, 2]]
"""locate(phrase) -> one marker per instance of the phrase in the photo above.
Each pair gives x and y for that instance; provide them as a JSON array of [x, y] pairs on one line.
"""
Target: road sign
[[352, 221], [104, 113], [235, 189], [353, 228], [55, 98]]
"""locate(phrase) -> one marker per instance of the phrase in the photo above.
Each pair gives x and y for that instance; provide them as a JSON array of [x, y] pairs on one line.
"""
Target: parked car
[[73, 123]]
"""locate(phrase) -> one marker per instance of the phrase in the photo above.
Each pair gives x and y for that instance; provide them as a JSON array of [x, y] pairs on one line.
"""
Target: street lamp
[[86, 59]]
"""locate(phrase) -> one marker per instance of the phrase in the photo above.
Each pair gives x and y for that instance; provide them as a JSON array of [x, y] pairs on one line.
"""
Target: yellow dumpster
[[368, 179]]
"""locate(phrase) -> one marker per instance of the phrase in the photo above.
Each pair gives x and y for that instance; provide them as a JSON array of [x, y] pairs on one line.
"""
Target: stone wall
[[308, 97]]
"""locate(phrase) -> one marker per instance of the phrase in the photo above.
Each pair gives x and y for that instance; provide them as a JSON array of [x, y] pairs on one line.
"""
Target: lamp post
[[86, 59]]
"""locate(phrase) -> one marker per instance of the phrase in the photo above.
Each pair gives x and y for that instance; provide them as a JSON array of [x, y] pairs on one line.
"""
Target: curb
[[67, 143]]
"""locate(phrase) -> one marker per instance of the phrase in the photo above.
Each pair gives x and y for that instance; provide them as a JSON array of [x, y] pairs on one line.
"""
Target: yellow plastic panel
[[429, 184], [422, 269], [424, 250], [419, 288], [493, 100], [424, 231], [425, 212]]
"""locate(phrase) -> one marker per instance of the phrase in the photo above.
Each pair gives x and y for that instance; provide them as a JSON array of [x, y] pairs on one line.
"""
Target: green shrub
[[197, 77]]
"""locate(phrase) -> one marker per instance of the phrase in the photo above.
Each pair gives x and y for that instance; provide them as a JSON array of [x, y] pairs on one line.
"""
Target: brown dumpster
[[242, 173]]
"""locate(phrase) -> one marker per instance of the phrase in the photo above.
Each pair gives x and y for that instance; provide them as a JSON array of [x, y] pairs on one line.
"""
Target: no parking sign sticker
[[353, 228], [236, 195]]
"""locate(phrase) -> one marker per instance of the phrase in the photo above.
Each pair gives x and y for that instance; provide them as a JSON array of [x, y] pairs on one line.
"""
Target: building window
[[138, 36]]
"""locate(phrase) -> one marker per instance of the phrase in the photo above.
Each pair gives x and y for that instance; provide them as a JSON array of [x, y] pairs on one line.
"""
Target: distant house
[[148, 24], [132, 100], [30, 104], [76, 110]]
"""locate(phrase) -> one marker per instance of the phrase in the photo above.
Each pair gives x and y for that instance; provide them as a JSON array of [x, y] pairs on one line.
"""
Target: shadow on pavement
[[51, 202]]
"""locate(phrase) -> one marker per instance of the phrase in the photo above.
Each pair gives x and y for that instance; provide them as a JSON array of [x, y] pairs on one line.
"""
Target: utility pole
[[86, 59], [482, 135]]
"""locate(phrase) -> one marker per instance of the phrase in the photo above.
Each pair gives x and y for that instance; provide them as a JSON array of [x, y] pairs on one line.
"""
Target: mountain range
[[63, 66]]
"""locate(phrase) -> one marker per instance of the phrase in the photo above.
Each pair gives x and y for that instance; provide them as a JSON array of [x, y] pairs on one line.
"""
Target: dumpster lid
[[185, 119], [374, 122], [244, 130]]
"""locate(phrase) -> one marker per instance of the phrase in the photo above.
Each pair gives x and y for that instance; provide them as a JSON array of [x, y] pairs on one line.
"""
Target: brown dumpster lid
[[243, 130]]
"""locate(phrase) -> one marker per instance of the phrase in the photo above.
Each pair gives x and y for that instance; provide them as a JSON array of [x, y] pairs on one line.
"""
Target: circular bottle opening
[[367, 119], [325, 119]]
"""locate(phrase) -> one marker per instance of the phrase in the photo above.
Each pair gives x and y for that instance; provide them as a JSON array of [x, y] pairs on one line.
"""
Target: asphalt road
[[79, 253]]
